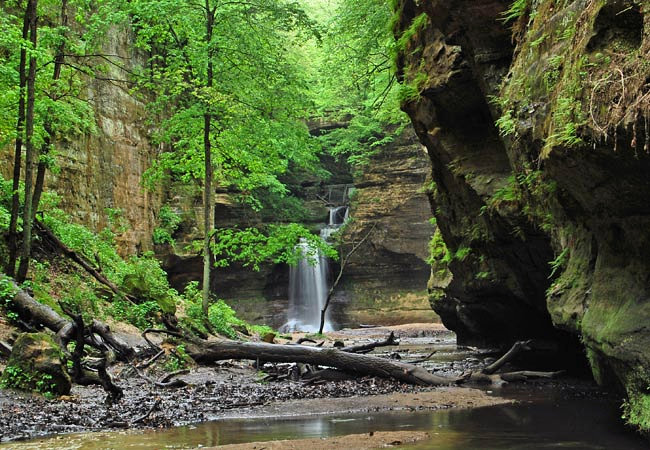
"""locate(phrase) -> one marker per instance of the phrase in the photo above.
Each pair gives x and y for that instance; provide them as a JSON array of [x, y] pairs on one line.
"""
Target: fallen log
[[30, 309], [79, 259], [390, 340], [208, 352]]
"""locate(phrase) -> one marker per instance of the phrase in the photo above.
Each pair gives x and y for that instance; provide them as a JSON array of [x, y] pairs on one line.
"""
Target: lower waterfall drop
[[309, 281]]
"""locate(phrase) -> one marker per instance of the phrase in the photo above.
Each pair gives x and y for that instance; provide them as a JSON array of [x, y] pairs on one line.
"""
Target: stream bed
[[545, 416], [564, 413]]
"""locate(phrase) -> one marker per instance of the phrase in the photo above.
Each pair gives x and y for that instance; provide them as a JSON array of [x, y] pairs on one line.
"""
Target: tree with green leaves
[[51, 109], [355, 79], [228, 85]]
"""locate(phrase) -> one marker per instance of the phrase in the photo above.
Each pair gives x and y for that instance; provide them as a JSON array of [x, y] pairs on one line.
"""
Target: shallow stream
[[559, 414]]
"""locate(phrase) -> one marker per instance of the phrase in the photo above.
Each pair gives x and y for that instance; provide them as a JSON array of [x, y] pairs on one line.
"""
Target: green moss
[[636, 410], [439, 255], [36, 364]]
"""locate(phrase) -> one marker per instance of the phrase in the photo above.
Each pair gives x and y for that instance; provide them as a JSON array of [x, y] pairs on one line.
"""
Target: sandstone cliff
[[538, 135], [103, 170], [386, 278]]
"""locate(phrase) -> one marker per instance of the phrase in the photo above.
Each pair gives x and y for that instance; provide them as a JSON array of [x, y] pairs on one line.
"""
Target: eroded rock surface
[[385, 280], [562, 178]]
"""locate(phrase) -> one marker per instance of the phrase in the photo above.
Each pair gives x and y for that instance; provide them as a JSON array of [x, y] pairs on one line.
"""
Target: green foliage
[[418, 23], [559, 262], [7, 292], [506, 124], [509, 194], [142, 315], [517, 9], [354, 80], [276, 243], [17, 378], [462, 253], [178, 359], [143, 278], [256, 96], [61, 109], [636, 409], [567, 117], [360, 140], [222, 318]]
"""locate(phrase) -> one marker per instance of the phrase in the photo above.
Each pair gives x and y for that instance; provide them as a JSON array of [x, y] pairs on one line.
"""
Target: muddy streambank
[[234, 389], [227, 389]]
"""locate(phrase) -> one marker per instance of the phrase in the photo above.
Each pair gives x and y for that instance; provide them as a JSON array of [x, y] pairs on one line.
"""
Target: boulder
[[36, 364]]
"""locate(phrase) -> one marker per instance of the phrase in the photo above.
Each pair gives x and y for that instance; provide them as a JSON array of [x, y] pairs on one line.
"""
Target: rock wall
[[104, 169], [385, 280], [538, 135]]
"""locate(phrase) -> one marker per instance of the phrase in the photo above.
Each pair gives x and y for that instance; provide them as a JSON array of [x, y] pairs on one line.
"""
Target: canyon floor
[[236, 389]]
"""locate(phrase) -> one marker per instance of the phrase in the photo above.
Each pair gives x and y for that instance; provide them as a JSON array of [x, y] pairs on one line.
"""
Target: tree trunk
[[49, 137], [25, 252], [344, 262], [208, 352], [15, 197], [208, 195], [31, 310]]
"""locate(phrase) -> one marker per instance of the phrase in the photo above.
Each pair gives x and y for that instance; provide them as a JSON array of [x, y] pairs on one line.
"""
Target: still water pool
[[545, 417]]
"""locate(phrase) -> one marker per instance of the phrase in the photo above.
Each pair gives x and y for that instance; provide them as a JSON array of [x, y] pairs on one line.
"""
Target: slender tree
[[208, 194], [59, 59], [25, 253], [223, 72], [15, 197]]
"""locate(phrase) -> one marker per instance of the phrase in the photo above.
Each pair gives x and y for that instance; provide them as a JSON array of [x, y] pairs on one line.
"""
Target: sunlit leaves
[[276, 243]]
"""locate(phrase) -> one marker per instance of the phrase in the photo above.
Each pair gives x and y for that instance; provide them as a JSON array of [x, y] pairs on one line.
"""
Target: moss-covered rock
[[36, 364], [538, 131]]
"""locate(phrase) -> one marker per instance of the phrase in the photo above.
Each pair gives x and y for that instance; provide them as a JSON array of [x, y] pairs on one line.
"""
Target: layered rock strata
[[385, 279], [537, 130]]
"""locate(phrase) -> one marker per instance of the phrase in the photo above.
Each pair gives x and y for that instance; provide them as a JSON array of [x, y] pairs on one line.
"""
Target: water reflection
[[569, 423]]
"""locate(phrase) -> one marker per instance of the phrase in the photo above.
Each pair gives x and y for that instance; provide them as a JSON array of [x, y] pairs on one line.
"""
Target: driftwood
[[150, 361], [5, 349], [166, 381], [488, 375], [421, 360], [82, 375], [390, 340], [516, 348], [208, 352], [38, 313]]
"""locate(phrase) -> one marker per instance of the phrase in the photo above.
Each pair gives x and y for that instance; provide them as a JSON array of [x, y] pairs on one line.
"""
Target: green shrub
[[142, 315], [168, 223], [222, 318]]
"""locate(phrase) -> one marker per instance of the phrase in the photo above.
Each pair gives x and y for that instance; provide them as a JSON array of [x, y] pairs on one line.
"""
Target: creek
[[556, 417], [547, 414]]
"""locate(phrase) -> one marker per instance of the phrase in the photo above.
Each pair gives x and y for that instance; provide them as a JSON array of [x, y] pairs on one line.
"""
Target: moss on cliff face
[[543, 147]]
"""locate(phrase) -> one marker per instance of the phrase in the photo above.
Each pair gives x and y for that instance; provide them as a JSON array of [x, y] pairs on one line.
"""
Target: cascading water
[[308, 281]]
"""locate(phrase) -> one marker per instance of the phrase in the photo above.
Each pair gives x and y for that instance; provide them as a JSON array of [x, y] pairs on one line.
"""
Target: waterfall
[[308, 281]]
